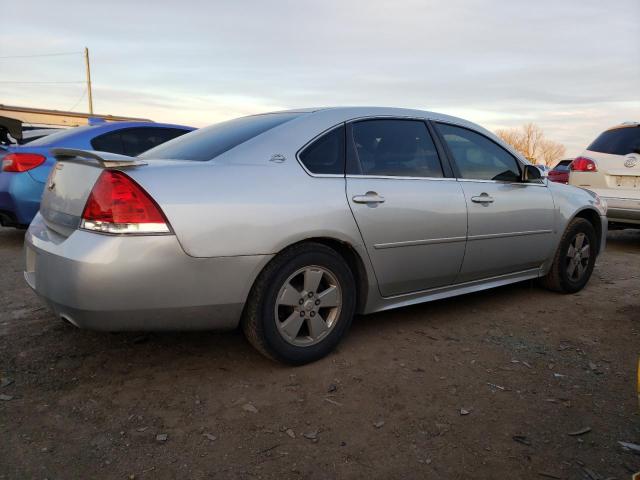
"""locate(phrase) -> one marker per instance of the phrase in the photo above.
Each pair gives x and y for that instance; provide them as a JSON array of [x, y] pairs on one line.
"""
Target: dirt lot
[[530, 367]]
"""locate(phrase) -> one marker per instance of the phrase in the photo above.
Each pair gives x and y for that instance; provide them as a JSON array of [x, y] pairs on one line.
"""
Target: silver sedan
[[289, 223]]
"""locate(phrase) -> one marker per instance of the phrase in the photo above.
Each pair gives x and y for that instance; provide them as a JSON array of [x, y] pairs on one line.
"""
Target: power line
[[37, 83], [84, 92], [42, 55]]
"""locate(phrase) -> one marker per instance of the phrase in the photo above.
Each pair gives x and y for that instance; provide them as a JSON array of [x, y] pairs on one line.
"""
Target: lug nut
[[302, 314], [317, 302], [310, 294], [301, 301], [313, 314]]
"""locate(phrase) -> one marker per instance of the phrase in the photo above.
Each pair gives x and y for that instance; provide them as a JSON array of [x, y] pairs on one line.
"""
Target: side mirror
[[530, 172]]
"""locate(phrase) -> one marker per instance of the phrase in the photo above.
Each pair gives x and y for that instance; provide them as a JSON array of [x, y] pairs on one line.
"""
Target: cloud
[[572, 66]]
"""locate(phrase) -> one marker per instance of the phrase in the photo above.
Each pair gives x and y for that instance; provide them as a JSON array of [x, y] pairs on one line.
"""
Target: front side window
[[619, 141], [326, 154], [399, 148], [207, 143], [477, 157]]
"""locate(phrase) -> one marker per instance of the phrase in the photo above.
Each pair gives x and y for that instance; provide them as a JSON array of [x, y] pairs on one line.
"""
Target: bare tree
[[551, 152], [531, 142]]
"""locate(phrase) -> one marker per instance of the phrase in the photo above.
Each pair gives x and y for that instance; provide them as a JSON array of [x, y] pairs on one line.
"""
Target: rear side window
[[477, 157], [398, 148], [620, 141], [207, 143], [109, 142], [326, 154]]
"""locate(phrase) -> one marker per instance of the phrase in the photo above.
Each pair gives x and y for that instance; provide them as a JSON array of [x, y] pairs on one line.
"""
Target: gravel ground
[[489, 385]]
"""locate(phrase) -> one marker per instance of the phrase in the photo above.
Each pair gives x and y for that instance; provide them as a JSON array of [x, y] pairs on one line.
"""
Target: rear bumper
[[107, 282], [623, 210], [19, 198]]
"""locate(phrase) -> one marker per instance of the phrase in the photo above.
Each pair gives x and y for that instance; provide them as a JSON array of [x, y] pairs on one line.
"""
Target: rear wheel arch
[[348, 253], [355, 263], [263, 328]]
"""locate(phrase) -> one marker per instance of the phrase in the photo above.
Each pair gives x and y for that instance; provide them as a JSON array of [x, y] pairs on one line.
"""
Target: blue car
[[25, 168]]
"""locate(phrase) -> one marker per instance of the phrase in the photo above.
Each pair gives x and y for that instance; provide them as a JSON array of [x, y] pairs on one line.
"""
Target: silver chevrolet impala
[[289, 223]]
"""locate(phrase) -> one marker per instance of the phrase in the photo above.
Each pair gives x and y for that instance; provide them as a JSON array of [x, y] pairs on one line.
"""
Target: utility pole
[[89, 94]]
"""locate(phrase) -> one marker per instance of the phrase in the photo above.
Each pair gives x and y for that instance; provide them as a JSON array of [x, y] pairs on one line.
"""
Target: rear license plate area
[[627, 181]]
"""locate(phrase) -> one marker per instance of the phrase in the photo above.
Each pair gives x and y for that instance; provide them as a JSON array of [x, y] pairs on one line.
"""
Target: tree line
[[531, 142]]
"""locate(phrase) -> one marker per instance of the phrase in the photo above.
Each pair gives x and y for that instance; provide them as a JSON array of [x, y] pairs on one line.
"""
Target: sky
[[571, 66]]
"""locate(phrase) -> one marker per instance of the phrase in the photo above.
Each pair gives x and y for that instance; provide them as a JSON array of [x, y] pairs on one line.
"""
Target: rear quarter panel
[[248, 209]]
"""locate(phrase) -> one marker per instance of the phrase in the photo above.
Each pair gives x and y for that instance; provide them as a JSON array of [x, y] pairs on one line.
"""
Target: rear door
[[510, 222], [410, 211]]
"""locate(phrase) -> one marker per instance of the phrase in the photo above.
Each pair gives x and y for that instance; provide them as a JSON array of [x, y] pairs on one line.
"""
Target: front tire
[[574, 260], [301, 305]]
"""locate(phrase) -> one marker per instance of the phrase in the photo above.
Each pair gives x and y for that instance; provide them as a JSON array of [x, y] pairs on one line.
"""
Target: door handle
[[369, 197], [483, 198]]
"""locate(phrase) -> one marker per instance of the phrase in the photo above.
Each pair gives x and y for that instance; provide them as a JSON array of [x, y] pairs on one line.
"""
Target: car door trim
[[520, 184], [508, 234], [391, 177], [411, 298], [411, 243]]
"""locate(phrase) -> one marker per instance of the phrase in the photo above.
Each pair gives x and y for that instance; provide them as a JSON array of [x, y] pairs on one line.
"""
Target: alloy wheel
[[577, 258], [308, 306]]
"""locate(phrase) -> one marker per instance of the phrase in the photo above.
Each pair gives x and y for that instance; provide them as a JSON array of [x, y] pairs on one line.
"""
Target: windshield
[[207, 143]]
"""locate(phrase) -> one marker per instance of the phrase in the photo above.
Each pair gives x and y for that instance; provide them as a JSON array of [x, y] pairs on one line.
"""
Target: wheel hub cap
[[578, 256], [308, 306]]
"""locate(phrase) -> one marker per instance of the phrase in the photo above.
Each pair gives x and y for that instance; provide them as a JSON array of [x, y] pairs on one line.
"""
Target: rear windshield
[[562, 166], [58, 136], [620, 141], [209, 142]]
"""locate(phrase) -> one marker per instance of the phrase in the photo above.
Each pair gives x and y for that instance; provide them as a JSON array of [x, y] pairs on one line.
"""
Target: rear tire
[[574, 260], [301, 304]]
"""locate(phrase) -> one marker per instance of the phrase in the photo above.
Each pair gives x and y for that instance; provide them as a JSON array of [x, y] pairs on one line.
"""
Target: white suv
[[610, 167]]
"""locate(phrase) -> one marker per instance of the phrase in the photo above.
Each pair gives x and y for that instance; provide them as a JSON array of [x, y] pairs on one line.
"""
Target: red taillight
[[21, 162], [583, 164], [117, 204]]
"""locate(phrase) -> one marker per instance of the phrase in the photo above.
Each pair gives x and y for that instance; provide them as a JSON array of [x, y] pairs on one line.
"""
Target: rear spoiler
[[105, 159]]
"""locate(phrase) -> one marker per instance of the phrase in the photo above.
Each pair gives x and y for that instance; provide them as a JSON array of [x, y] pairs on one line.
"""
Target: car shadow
[[226, 351], [624, 240]]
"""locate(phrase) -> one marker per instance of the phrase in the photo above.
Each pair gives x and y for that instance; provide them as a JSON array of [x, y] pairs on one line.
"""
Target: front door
[[412, 218], [510, 221]]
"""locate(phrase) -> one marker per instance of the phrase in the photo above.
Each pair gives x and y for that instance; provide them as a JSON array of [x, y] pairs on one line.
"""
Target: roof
[[624, 125]]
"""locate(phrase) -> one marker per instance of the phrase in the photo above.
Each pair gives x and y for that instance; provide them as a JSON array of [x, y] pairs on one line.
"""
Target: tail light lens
[[583, 164], [117, 204], [21, 162]]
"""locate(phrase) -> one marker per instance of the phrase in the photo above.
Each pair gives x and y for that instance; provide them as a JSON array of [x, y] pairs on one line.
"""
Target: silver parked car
[[290, 223]]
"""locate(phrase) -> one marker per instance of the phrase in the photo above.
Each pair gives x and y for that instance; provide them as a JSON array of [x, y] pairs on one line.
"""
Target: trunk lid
[[70, 183]]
